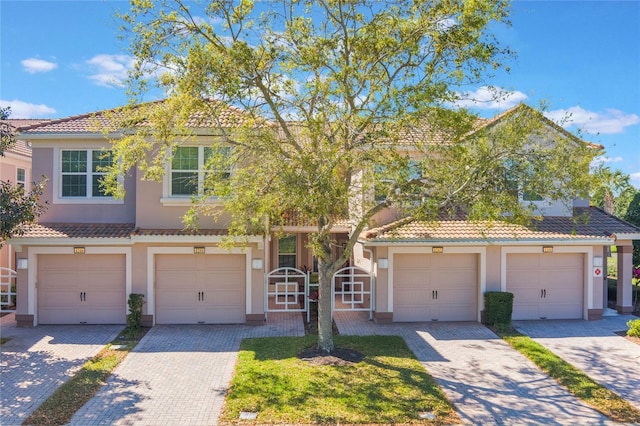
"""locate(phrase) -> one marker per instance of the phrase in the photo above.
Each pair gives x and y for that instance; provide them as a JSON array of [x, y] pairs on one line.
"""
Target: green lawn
[[388, 386]]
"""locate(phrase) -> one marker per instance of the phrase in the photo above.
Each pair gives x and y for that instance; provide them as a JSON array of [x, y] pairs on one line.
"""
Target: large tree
[[335, 94], [17, 206], [611, 190]]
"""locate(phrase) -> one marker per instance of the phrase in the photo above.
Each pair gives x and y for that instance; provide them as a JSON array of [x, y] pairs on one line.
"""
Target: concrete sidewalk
[[36, 361], [488, 381], [595, 348]]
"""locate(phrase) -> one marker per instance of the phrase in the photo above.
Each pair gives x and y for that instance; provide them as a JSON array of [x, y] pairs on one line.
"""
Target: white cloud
[[34, 65], [21, 109], [110, 70], [608, 122], [487, 97], [635, 179], [604, 160]]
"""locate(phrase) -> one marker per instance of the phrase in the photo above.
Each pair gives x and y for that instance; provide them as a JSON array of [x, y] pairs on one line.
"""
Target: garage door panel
[[430, 287], [99, 278], [551, 287], [212, 290]]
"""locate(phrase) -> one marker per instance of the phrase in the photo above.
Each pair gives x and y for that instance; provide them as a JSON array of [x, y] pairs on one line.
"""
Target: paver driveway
[[488, 381], [593, 347], [177, 375], [38, 360]]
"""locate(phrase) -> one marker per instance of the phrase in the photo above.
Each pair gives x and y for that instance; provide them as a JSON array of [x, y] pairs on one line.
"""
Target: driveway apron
[[595, 348], [488, 381], [178, 374], [36, 361]]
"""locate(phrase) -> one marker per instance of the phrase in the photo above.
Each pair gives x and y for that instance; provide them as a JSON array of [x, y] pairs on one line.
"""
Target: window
[[287, 251], [82, 172], [192, 164], [21, 177], [519, 185]]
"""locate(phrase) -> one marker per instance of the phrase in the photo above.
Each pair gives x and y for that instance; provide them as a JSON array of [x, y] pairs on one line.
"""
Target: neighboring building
[[89, 252]]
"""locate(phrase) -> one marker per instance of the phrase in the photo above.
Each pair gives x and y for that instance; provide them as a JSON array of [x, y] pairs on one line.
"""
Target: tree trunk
[[325, 317]]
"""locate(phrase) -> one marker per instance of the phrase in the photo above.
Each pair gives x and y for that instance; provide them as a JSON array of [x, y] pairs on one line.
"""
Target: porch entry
[[289, 289]]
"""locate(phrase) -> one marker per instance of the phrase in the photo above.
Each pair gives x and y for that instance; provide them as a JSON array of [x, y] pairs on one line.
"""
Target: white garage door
[[200, 289], [546, 286], [435, 287], [81, 289]]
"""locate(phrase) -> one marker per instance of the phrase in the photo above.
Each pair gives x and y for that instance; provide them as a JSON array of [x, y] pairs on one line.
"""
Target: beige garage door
[[546, 286], [200, 289], [81, 289], [435, 287]]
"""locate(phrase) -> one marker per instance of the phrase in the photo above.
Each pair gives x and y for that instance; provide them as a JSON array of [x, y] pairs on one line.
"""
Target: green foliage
[[134, 317], [388, 386], [634, 328], [611, 190], [19, 207], [322, 103], [7, 137], [633, 216], [498, 307]]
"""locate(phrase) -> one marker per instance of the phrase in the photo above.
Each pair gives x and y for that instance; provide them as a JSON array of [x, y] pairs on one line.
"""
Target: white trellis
[[352, 289], [286, 290], [7, 290]]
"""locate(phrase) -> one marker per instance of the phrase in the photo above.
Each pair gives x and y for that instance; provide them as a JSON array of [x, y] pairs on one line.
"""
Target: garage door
[[200, 289], [81, 289], [546, 286], [435, 287]]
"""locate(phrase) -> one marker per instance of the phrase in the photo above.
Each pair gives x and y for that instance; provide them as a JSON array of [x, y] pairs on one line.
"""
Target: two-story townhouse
[[89, 251]]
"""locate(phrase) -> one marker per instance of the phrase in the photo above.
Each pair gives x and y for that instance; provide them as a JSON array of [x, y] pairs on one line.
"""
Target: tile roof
[[21, 147], [78, 230], [586, 224], [220, 115], [178, 232]]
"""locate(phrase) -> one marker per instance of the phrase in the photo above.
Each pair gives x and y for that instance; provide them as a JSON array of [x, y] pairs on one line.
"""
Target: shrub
[[634, 328], [134, 318], [498, 307]]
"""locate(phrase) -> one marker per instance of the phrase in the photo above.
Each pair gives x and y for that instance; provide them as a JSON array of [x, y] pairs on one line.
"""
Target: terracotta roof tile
[[179, 232], [587, 223], [78, 230], [21, 147], [219, 116]]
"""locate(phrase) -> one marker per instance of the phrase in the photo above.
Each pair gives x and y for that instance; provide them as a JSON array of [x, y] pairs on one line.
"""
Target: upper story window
[[287, 249], [21, 177], [191, 165], [82, 171]]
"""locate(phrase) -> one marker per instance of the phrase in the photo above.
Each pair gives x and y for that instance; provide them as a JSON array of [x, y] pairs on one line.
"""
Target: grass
[[60, 407], [577, 382], [388, 386]]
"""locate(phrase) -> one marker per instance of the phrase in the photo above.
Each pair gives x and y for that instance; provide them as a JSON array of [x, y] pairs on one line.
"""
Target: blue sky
[[62, 58]]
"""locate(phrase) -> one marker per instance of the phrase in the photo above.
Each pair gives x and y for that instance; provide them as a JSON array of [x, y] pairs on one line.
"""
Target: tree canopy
[[341, 101], [17, 206]]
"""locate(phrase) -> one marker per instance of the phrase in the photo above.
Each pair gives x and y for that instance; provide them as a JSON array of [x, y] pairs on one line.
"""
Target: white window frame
[[168, 198], [21, 182], [57, 179]]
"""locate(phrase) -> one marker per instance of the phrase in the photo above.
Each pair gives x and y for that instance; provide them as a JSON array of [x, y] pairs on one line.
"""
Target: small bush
[[134, 318], [498, 307], [634, 328]]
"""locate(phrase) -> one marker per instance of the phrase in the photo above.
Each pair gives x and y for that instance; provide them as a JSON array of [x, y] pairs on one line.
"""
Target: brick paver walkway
[[593, 347], [178, 375], [487, 380], [38, 360]]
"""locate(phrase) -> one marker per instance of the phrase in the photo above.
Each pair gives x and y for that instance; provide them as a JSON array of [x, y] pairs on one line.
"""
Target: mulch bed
[[337, 357], [633, 339]]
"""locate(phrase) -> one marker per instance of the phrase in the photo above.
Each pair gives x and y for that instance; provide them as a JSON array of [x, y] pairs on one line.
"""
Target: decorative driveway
[[595, 348], [38, 360]]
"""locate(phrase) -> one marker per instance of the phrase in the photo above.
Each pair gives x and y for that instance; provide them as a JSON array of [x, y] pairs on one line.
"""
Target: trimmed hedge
[[498, 307]]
